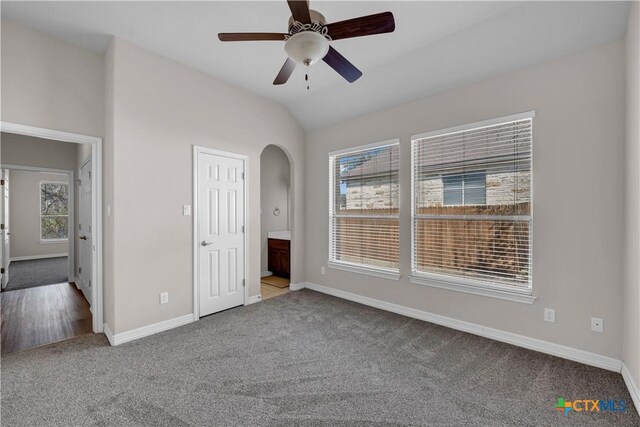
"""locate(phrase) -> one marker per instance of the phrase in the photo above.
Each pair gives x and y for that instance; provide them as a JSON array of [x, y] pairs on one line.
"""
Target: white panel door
[[5, 227], [220, 232], [85, 231]]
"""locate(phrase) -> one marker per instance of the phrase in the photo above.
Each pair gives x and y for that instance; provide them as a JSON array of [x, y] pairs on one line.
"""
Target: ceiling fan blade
[[364, 26], [339, 63], [300, 10], [243, 37], [285, 72]]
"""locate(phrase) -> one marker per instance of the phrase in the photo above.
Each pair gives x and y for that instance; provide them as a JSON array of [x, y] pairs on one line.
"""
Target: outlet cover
[[164, 297], [597, 324], [322, 270], [549, 315]]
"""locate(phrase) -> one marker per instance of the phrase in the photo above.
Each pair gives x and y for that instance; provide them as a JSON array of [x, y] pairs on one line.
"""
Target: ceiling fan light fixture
[[306, 47]]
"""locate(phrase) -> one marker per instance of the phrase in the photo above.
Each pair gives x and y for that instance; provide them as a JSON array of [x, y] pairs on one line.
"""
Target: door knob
[[82, 237], [205, 243]]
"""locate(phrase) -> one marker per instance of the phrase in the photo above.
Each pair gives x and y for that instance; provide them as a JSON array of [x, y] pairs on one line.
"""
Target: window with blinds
[[472, 206], [364, 207]]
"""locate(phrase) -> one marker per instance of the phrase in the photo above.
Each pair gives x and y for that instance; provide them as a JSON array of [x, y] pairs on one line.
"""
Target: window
[[363, 209], [54, 211], [472, 206], [459, 189]]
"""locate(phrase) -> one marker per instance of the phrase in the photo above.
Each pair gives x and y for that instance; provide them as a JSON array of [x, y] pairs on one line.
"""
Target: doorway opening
[[51, 236], [275, 222]]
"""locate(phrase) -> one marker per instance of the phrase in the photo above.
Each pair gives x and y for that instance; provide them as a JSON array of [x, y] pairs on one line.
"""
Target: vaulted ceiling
[[436, 46]]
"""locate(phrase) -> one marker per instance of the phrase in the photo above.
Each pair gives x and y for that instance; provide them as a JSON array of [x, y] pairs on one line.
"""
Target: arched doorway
[[275, 222]]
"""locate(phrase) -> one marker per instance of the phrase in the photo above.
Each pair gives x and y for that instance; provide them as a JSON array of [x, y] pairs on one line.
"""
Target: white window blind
[[472, 206], [364, 207]]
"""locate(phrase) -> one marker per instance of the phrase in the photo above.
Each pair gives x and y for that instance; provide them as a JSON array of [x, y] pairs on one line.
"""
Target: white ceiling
[[436, 46]]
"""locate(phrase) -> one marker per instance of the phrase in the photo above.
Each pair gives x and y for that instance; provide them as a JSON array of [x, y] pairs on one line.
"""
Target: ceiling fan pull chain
[[306, 79]]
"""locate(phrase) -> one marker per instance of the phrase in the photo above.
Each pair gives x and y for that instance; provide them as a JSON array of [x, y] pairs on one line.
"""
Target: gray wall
[[24, 214], [50, 83], [577, 177], [631, 309], [29, 151], [159, 109], [274, 192]]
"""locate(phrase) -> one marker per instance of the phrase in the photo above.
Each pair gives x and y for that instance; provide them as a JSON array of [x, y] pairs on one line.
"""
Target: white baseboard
[[547, 347], [108, 333], [634, 389], [30, 257], [145, 331], [265, 274], [297, 286], [254, 299]]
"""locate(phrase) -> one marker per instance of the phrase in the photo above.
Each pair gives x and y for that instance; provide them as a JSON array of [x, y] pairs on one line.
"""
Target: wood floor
[[273, 286], [37, 316]]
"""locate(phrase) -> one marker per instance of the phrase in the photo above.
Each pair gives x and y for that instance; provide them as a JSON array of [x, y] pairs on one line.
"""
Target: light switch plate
[[186, 210], [164, 297]]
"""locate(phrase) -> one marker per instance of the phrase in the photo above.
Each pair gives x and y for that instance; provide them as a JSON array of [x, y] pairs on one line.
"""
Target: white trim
[[245, 166], [145, 331], [30, 257], [297, 286], [535, 344], [484, 123], [53, 241], [634, 389], [266, 273], [96, 203], [254, 299], [108, 333], [362, 269], [70, 240], [516, 295], [55, 135], [387, 143]]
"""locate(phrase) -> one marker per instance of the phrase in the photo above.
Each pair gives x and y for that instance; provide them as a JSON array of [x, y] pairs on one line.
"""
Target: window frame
[[463, 188], [465, 284], [382, 272], [68, 215]]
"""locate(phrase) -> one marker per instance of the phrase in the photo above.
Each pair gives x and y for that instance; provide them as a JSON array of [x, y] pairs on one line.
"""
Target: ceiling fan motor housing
[[316, 17], [307, 43]]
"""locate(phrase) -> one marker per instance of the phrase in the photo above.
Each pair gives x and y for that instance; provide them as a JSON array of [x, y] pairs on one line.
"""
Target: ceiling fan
[[307, 41]]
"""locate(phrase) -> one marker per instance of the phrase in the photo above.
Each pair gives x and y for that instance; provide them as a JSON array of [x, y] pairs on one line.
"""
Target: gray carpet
[[37, 272], [303, 358]]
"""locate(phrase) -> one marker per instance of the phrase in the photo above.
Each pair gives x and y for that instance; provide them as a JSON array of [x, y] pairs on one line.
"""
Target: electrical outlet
[[186, 210], [322, 270], [597, 324], [549, 315], [164, 297]]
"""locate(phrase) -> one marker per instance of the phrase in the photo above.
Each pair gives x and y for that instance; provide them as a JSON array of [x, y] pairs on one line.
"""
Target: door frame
[[197, 150], [71, 182], [97, 309]]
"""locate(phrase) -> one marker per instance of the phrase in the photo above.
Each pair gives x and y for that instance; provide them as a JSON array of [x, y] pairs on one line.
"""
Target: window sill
[[53, 241], [371, 271], [521, 296]]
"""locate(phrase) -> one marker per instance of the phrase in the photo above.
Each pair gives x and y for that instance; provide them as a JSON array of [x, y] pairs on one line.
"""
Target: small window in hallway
[[54, 211]]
